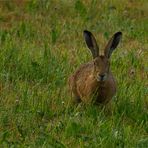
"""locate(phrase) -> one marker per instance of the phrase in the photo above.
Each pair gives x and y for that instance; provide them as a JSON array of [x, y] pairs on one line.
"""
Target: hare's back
[[84, 71], [81, 73]]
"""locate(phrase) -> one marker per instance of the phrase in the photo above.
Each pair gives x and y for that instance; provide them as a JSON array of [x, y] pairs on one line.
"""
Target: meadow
[[41, 44]]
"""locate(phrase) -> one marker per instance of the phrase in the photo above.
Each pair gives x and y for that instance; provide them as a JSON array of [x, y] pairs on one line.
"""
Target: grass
[[41, 44]]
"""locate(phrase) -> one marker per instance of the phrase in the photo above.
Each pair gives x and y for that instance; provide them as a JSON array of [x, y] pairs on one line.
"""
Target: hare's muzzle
[[101, 77]]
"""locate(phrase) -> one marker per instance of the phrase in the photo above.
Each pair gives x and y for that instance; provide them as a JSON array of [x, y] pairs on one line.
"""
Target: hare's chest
[[105, 94], [102, 95]]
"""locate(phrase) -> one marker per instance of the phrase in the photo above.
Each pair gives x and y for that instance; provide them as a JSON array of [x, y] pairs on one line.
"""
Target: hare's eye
[[95, 63], [108, 66], [108, 63]]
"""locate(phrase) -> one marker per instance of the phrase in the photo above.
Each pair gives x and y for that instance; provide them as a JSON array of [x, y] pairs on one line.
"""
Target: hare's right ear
[[91, 43]]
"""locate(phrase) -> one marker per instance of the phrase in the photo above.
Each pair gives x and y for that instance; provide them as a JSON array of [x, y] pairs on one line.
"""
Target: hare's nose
[[101, 75]]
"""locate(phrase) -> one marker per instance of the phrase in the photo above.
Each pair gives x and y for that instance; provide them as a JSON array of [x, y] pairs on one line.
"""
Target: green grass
[[41, 44]]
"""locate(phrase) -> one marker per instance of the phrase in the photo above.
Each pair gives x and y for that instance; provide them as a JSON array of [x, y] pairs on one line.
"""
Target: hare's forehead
[[101, 59]]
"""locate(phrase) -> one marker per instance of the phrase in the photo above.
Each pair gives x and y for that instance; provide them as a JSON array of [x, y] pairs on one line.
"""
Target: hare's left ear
[[112, 44]]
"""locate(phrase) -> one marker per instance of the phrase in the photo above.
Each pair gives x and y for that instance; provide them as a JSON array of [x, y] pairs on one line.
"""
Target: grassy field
[[41, 44]]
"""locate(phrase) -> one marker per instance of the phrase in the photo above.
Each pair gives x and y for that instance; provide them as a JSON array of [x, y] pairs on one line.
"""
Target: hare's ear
[[112, 44], [91, 43]]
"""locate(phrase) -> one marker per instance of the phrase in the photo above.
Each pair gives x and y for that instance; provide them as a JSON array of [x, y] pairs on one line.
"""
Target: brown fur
[[93, 82]]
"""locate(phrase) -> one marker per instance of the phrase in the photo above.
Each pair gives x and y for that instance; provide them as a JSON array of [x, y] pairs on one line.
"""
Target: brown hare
[[93, 82]]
